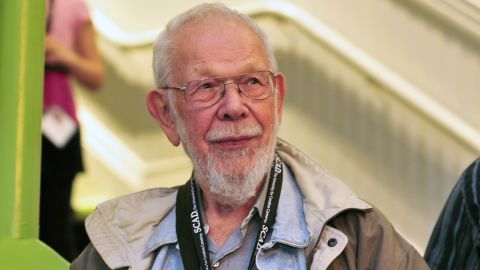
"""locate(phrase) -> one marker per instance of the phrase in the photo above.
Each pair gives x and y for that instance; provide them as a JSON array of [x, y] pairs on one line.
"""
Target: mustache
[[234, 130]]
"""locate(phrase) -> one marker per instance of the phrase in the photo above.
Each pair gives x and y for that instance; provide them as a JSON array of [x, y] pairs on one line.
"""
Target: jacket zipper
[[317, 243]]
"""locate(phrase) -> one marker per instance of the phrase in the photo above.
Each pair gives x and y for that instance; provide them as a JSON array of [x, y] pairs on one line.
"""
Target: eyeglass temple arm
[[180, 89]]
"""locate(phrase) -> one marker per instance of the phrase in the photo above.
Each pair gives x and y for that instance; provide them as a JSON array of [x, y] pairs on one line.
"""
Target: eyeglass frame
[[225, 81]]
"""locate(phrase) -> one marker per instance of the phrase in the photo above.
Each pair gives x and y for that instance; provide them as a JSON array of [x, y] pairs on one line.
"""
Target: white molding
[[118, 157], [111, 31]]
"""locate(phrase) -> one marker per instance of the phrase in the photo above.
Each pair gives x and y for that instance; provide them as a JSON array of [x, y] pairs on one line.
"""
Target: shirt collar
[[165, 233], [257, 207], [290, 227]]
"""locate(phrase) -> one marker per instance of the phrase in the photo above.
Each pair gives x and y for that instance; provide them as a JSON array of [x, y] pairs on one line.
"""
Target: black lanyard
[[190, 227]]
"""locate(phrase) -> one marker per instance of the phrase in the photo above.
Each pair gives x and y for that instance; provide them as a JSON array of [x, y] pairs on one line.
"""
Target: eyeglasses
[[203, 93]]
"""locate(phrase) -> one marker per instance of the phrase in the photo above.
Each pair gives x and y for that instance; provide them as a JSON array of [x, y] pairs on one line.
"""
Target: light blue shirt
[[284, 250]]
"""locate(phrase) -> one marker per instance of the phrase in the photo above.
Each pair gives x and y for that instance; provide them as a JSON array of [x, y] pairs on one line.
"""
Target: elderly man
[[253, 201]]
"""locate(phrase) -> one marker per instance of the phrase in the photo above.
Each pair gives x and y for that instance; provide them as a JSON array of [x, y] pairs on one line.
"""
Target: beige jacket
[[120, 228]]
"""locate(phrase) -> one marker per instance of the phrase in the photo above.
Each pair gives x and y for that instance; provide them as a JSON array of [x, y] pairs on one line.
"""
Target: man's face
[[235, 136]]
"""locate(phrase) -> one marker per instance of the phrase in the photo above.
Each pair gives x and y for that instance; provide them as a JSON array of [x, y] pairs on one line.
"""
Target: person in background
[[455, 240], [70, 51], [253, 201]]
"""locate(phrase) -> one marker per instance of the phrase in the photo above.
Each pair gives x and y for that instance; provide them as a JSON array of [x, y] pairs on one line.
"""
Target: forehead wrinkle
[[203, 70], [218, 41]]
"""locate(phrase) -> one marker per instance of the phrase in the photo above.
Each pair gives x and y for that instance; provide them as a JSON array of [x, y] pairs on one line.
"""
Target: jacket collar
[[324, 195], [120, 228]]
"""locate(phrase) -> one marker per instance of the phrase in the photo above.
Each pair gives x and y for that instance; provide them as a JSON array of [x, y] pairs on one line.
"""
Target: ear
[[281, 91], [159, 108]]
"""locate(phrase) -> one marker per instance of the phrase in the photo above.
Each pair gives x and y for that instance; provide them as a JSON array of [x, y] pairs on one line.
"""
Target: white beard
[[235, 179]]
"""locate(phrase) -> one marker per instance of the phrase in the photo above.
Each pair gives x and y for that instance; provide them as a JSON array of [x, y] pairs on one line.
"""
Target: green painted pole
[[22, 28]]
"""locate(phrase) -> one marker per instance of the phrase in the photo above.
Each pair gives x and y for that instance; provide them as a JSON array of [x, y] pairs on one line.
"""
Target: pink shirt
[[68, 16]]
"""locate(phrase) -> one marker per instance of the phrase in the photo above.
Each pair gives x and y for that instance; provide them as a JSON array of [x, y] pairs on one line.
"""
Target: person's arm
[[84, 63]]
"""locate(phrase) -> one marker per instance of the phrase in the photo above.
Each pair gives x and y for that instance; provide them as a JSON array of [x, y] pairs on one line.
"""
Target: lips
[[233, 142], [233, 139]]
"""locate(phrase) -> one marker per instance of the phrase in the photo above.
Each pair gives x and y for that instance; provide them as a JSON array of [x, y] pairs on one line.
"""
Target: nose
[[232, 106]]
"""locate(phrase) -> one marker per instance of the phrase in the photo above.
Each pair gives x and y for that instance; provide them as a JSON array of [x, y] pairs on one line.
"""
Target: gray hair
[[164, 48]]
